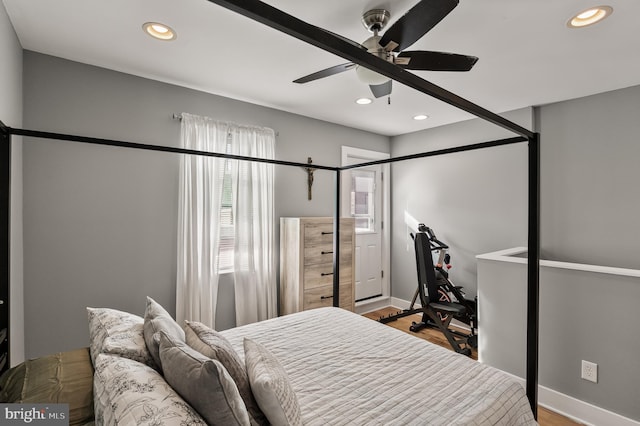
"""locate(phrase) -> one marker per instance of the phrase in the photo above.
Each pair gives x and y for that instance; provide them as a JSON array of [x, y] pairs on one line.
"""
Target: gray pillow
[[270, 386], [157, 319], [203, 383], [214, 345]]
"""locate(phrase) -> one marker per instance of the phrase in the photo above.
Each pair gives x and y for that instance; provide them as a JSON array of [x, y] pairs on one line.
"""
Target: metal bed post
[[533, 278], [5, 255], [336, 241]]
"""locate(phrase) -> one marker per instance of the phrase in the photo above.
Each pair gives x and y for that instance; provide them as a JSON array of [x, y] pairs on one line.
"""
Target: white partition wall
[[574, 326]]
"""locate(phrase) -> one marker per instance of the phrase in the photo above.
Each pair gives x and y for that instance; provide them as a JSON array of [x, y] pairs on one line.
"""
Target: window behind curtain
[[227, 228]]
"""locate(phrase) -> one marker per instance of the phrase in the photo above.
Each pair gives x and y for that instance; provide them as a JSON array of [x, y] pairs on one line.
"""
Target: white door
[[364, 206], [364, 201]]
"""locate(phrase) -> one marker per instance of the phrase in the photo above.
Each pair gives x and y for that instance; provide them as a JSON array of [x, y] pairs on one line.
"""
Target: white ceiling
[[527, 54]]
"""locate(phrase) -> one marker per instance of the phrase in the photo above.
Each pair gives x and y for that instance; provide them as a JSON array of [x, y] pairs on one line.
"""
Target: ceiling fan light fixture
[[363, 101], [159, 31], [589, 16], [365, 75]]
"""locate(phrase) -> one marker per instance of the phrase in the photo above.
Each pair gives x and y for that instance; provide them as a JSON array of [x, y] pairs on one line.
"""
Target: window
[[363, 184], [227, 228]]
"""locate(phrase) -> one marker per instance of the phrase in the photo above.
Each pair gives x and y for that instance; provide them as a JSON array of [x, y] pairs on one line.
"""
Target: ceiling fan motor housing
[[375, 20], [372, 44]]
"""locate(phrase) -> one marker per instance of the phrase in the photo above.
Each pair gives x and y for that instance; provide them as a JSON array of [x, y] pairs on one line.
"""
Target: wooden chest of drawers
[[306, 263]]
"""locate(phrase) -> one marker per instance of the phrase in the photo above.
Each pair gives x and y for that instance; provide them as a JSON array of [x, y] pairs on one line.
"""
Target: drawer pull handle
[[324, 274], [327, 232], [326, 297], [326, 252]]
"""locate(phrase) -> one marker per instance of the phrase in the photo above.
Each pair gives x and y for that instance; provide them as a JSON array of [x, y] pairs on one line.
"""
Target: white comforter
[[350, 370]]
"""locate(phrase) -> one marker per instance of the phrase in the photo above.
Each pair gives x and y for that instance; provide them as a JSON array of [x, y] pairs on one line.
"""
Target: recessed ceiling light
[[420, 117], [589, 16], [363, 101], [159, 31]]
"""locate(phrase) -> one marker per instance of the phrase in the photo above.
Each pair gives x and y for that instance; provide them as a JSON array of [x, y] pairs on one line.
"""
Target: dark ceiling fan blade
[[380, 90], [415, 23], [435, 61], [326, 73], [345, 39]]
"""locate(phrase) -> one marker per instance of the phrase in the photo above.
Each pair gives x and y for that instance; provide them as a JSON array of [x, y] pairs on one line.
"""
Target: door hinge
[[381, 274]]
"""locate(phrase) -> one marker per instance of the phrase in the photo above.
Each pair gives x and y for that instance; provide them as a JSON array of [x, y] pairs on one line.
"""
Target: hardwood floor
[[545, 417]]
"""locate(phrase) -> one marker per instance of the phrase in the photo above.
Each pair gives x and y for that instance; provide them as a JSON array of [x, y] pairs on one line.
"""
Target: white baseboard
[[568, 406], [580, 411], [371, 305]]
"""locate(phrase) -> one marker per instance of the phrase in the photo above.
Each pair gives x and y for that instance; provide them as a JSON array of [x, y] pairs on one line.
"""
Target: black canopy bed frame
[[274, 18]]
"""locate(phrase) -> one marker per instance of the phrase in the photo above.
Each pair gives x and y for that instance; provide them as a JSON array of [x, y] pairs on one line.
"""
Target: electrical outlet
[[590, 371]]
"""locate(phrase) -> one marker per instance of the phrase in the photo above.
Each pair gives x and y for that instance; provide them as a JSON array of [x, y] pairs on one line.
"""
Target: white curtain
[[200, 198], [254, 251]]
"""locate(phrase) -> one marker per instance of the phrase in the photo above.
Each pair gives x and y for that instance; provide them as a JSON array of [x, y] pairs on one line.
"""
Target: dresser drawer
[[322, 233], [323, 296], [322, 274], [318, 275], [318, 234], [323, 253], [318, 297]]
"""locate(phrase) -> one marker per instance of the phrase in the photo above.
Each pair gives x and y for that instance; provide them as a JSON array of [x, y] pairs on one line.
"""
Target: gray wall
[[589, 214], [589, 179], [11, 115], [100, 223], [474, 201]]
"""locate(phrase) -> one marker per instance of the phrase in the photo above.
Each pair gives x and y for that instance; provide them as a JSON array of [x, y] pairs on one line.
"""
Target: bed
[[346, 369], [329, 367]]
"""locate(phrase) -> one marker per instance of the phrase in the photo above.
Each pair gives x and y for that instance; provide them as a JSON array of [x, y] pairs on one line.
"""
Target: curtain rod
[[178, 116]]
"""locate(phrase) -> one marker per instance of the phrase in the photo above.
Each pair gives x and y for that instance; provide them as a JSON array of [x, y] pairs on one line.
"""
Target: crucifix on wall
[[309, 171]]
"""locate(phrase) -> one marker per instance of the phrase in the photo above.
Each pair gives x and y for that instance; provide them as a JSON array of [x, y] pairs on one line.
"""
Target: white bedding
[[350, 370]]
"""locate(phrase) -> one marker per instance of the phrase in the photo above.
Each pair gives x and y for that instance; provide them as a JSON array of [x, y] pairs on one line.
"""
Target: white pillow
[[270, 386], [117, 333], [127, 392]]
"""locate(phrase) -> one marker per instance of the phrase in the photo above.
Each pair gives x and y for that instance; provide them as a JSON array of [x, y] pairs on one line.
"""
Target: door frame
[[352, 155]]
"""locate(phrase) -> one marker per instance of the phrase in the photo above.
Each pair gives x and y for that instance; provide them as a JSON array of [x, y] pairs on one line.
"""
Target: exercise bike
[[441, 300]]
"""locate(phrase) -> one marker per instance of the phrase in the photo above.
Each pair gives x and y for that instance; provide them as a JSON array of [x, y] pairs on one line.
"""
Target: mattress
[[349, 370]]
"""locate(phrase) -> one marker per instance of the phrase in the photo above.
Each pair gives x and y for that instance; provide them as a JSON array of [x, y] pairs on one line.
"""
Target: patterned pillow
[[127, 392], [270, 385], [118, 333], [202, 382], [157, 319], [214, 345]]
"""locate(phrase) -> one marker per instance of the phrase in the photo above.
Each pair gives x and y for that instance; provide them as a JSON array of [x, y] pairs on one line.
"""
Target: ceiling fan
[[420, 19]]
